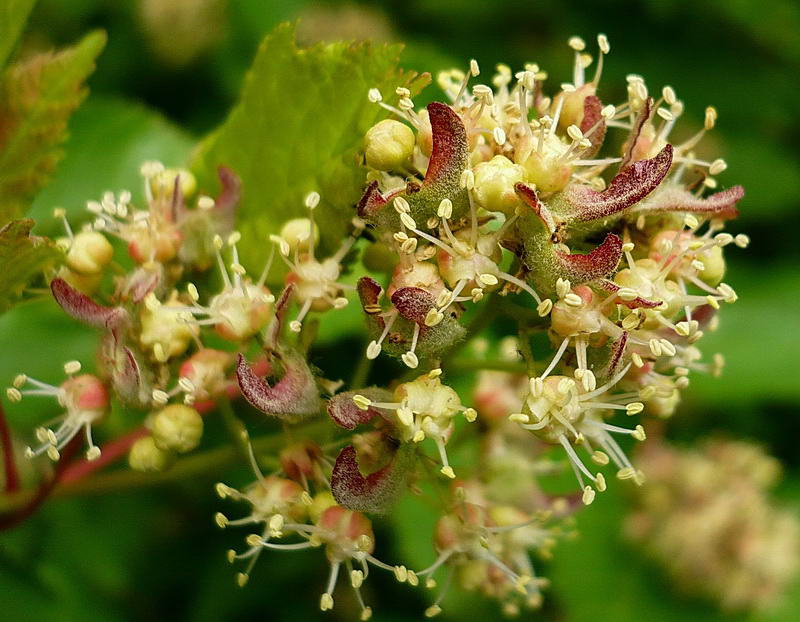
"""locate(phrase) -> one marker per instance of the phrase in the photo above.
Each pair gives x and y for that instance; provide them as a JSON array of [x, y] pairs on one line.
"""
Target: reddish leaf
[[636, 131], [628, 188], [413, 303], [601, 262], [592, 106], [375, 492], [673, 198], [346, 414], [530, 198], [294, 397], [83, 308]]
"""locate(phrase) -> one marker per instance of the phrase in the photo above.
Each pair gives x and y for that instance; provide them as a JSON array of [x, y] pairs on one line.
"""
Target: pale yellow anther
[[401, 573], [467, 179], [639, 433], [710, 118], [221, 520], [626, 473], [600, 458], [603, 44], [563, 287], [470, 414], [717, 166], [667, 347], [669, 95], [574, 132], [433, 611], [405, 415], [488, 279], [72, 367], [544, 307], [573, 300], [474, 68], [588, 495], [362, 402], [410, 360], [637, 360], [234, 238], [408, 221], [401, 206], [600, 482], [634, 408], [373, 350], [519, 418], [445, 209], [608, 112], [160, 397], [536, 386], [742, 240], [447, 471], [374, 95], [312, 200], [326, 602], [13, 394], [356, 578], [242, 579], [576, 43], [218, 243], [159, 353], [20, 380], [205, 202]]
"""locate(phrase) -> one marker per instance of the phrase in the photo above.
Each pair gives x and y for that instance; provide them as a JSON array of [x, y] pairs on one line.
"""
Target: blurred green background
[[170, 72]]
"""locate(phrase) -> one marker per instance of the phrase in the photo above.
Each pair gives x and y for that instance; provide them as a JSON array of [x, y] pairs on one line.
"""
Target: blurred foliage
[[154, 554]]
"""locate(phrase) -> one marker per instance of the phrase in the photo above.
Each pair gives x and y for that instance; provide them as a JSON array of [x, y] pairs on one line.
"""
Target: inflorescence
[[578, 220]]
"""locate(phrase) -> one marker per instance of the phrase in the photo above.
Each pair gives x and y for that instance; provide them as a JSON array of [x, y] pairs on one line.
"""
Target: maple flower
[[83, 396]]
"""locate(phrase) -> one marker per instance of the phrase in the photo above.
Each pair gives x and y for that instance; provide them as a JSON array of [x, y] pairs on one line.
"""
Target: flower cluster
[[706, 518], [604, 257]]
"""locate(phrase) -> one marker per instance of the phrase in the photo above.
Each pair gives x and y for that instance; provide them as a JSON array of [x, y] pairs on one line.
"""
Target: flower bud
[[346, 530], [243, 311], [86, 393], [297, 233], [301, 460], [147, 457], [494, 184], [573, 107], [319, 503], [89, 253], [424, 132], [546, 171], [388, 144], [154, 243], [163, 183], [164, 331], [177, 427]]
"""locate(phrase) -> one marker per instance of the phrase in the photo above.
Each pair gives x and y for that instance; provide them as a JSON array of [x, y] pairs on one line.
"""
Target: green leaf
[[22, 258], [13, 15], [37, 98], [110, 138], [297, 128]]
